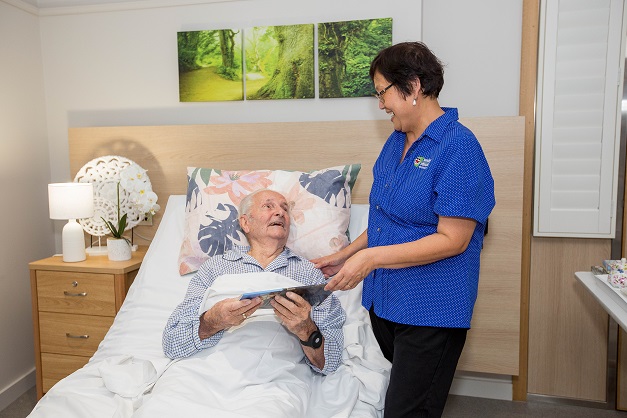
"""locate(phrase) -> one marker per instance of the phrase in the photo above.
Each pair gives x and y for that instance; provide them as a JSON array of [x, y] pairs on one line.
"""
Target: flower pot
[[118, 249]]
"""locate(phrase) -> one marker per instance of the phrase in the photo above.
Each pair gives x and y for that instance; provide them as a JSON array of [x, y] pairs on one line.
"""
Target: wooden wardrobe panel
[[567, 326]]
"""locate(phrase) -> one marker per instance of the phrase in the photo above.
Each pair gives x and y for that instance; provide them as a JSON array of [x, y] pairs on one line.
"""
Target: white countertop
[[612, 300]]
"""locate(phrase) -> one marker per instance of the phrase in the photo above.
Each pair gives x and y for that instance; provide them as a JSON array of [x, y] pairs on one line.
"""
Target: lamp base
[[73, 241]]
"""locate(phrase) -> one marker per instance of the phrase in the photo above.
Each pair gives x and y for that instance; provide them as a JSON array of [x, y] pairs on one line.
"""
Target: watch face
[[315, 339]]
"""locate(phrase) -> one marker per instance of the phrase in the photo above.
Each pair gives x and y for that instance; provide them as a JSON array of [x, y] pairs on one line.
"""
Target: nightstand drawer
[[77, 335], [55, 367], [76, 293]]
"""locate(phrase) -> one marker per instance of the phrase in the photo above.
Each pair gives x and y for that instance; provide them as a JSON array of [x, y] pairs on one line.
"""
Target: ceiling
[[59, 6], [44, 4]]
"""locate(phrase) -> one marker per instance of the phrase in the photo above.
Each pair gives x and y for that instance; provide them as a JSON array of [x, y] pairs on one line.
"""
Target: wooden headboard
[[167, 151]]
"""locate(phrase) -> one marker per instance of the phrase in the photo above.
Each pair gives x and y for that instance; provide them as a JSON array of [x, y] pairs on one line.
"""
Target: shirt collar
[[437, 128], [240, 251]]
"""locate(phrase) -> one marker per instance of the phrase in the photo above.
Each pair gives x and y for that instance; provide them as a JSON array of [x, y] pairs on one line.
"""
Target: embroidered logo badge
[[422, 162]]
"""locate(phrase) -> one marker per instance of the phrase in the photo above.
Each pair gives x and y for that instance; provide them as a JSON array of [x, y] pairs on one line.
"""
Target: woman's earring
[[414, 103]]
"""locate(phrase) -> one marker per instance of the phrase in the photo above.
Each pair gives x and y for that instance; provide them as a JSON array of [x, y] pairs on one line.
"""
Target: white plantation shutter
[[578, 117]]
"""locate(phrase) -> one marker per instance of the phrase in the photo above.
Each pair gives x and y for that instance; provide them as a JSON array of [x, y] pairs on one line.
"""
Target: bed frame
[[166, 152]]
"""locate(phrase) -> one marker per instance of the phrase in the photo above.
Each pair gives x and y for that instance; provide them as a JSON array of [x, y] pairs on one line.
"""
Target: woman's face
[[393, 103]]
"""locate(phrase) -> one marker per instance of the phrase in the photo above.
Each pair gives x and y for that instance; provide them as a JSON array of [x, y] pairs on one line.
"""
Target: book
[[314, 294]]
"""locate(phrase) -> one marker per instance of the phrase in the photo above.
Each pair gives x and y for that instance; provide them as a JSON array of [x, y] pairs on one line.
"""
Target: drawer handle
[[66, 293], [84, 337]]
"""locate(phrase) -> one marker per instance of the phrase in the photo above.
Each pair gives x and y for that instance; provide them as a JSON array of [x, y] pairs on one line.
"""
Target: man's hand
[[294, 313], [226, 314]]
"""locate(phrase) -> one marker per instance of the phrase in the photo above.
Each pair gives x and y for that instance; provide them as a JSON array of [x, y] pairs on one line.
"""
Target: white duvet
[[256, 370]]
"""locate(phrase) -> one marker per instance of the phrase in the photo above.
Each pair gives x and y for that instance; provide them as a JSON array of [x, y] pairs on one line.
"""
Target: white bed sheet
[[118, 380]]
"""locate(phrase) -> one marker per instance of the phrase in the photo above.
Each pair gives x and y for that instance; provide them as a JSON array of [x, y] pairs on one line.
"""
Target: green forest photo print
[[345, 51], [210, 65], [279, 62]]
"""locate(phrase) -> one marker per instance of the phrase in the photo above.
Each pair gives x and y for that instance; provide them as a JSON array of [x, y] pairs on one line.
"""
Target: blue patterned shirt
[[180, 337], [444, 173]]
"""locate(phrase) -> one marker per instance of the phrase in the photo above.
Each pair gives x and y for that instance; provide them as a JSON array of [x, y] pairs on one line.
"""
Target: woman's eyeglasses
[[379, 94]]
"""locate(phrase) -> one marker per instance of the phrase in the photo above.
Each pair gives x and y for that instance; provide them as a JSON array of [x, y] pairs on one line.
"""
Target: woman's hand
[[353, 271], [332, 263], [329, 264]]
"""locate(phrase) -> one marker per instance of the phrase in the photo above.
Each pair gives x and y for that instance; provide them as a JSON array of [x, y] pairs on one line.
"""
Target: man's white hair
[[247, 201]]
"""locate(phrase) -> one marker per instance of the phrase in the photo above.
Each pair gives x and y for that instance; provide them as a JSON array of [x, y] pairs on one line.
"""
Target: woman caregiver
[[419, 258]]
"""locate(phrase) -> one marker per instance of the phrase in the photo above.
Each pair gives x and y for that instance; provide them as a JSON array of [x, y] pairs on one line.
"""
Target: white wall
[[120, 68], [116, 66], [24, 174], [479, 42]]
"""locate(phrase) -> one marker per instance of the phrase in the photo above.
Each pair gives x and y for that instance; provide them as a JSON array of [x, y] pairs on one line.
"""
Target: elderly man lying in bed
[[316, 332], [232, 358]]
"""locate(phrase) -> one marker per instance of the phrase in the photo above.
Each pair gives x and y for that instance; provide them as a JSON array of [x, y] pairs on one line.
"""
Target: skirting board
[[16, 389], [482, 385]]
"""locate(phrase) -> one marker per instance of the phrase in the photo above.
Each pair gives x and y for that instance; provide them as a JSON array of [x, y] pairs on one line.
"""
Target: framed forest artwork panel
[[345, 51], [210, 65], [279, 62]]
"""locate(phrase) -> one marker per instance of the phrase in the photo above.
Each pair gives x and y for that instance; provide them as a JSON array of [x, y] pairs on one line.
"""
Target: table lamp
[[71, 201]]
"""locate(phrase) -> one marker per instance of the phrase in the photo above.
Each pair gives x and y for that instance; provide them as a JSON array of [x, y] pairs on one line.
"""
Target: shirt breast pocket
[[412, 197]]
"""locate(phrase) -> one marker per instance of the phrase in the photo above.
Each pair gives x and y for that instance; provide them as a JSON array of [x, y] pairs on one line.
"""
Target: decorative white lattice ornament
[[104, 173]]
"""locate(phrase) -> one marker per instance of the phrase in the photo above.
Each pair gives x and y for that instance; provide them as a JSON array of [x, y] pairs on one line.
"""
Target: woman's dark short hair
[[405, 62]]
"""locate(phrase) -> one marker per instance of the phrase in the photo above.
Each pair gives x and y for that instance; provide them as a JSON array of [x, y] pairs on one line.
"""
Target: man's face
[[268, 217]]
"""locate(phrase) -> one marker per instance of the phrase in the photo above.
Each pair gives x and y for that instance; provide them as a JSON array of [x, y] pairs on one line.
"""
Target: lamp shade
[[71, 200]]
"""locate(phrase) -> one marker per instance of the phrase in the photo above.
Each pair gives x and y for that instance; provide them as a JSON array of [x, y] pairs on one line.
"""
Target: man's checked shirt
[[180, 337]]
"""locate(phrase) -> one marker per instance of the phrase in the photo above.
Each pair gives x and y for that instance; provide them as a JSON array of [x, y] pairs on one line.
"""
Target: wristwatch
[[314, 340]]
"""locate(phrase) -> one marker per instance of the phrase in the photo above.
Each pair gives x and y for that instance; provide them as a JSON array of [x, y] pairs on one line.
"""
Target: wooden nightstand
[[73, 308]]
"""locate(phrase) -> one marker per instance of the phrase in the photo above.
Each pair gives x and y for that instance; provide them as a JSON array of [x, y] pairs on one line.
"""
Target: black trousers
[[424, 360]]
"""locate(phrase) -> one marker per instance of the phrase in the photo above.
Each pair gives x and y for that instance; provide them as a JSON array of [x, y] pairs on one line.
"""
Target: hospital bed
[[123, 377]]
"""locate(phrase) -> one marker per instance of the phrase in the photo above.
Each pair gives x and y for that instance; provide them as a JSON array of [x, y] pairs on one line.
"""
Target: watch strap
[[314, 340]]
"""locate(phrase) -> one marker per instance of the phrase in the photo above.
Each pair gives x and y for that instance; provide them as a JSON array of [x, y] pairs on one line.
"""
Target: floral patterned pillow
[[319, 202]]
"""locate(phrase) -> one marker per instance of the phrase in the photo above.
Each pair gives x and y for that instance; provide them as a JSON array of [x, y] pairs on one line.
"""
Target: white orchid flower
[[133, 187], [147, 201], [133, 178]]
